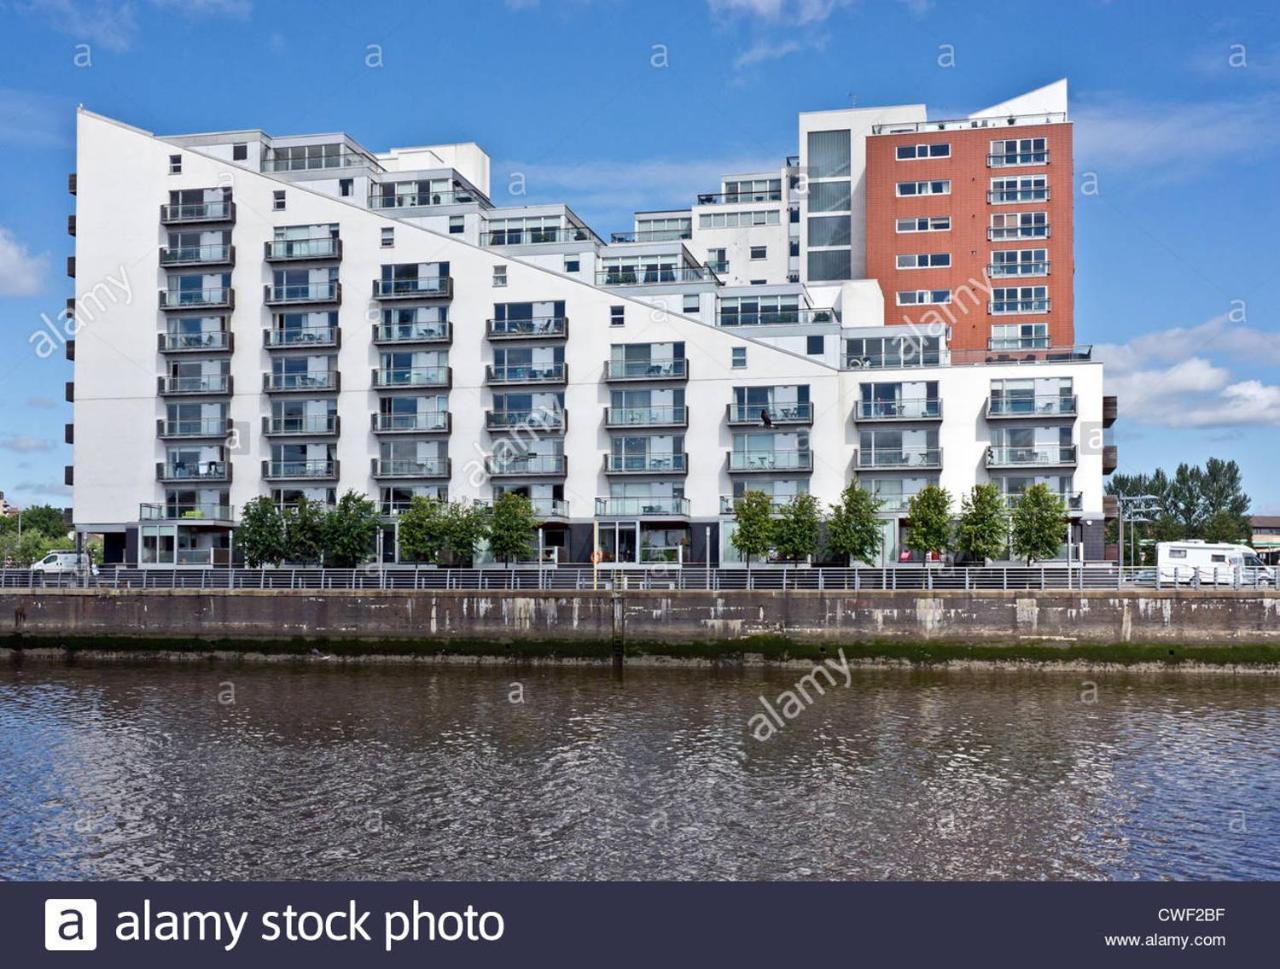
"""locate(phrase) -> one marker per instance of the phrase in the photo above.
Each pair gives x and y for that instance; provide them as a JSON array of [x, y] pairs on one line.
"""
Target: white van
[[65, 563], [1210, 563]]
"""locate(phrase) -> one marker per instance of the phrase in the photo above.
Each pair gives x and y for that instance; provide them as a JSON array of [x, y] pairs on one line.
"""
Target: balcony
[[424, 422], [1009, 306], [1008, 233], [191, 213], [324, 425], [1014, 408], [1110, 458], [299, 470], [211, 255], [422, 199], [436, 467], [898, 459], [71, 183], [1013, 270], [1047, 456], [204, 383], [401, 334], [538, 328], [302, 250], [1072, 501], [655, 463], [651, 235], [765, 462], [1012, 196], [548, 373], [913, 409], [536, 419], [526, 465], [733, 198], [653, 507], [406, 377], [550, 508], [1018, 159], [222, 298], [535, 236], [318, 381], [179, 473], [729, 504], [782, 317], [302, 337], [635, 417], [211, 427], [213, 514], [208, 341], [428, 287], [307, 294], [617, 370], [655, 276], [71, 225], [71, 267], [1110, 410], [769, 415]]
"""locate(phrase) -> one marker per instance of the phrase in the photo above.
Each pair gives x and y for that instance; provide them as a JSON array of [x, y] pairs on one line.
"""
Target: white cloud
[[763, 50], [21, 444], [798, 12], [113, 24], [21, 273], [1218, 335]]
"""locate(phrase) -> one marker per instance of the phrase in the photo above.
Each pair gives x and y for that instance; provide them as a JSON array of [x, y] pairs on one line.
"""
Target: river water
[[318, 771]]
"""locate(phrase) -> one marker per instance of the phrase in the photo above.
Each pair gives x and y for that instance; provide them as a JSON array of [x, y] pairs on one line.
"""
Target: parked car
[[65, 563], [1212, 563]]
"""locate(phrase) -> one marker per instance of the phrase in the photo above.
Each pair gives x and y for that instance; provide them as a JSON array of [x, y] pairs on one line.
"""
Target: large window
[[939, 149], [828, 154], [830, 264], [1020, 299], [1018, 225], [1019, 336], [829, 197], [1018, 151], [732, 220], [1023, 188], [830, 230]]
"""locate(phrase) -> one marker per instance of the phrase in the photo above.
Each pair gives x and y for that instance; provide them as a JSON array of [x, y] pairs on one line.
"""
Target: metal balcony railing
[[1033, 305], [1071, 500], [729, 504], [194, 427]]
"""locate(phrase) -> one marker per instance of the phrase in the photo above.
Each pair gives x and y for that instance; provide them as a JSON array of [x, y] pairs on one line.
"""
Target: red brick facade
[[970, 173]]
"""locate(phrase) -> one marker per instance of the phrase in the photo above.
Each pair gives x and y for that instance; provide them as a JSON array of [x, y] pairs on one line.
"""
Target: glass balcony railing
[[651, 235], [209, 340], [312, 160], [1005, 232], [413, 200], [321, 424], [1049, 405], [1012, 159], [913, 409], [1045, 455], [173, 511], [195, 427], [729, 503], [771, 460], [422, 422], [647, 507], [546, 373], [218, 211], [780, 317], [423, 287], [317, 247], [1071, 500], [766, 414], [551, 327], [659, 416], [300, 469], [323, 380], [413, 377], [530, 236], [526, 464], [1034, 194], [222, 297], [651, 463], [899, 458], [435, 467], [654, 275], [302, 336], [330, 292], [534, 419], [647, 369], [194, 471], [197, 255], [433, 331], [204, 383], [1005, 270], [550, 507], [1032, 305], [732, 198]]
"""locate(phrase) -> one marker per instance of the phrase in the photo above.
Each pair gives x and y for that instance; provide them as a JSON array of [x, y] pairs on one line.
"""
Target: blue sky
[[1175, 106]]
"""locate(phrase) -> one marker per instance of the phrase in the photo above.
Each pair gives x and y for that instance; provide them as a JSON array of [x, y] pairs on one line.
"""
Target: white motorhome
[[1212, 563]]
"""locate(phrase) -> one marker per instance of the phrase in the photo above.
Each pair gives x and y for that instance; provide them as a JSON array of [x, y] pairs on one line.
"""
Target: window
[[733, 220], [500, 275], [828, 154], [1023, 188], [1020, 299], [815, 346], [829, 197], [175, 164], [925, 223], [691, 307], [1177, 553], [758, 252], [1019, 336], [759, 282], [923, 297], [1019, 262], [923, 260], [717, 261], [277, 199], [738, 358], [1018, 151], [346, 186], [1018, 225], [388, 237], [830, 264], [829, 230], [617, 315], [240, 152], [456, 224], [941, 186], [572, 264], [940, 149]]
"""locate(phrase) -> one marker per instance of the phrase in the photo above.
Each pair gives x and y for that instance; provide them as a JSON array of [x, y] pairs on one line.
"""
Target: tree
[[31, 547], [44, 519], [754, 534], [983, 529], [853, 530], [511, 527], [422, 530], [1224, 526], [261, 535], [305, 524], [466, 525], [351, 531], [929, 520], [1039, 524], [797, 529]]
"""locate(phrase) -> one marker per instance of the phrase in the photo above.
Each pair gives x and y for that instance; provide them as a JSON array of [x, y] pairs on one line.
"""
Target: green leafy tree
[[261, 534], [511, 526], [20, 552], [44, 519], [755, 532], [929, 520], [1225, 526], [1039, 524], [982, 531], [853, 530], [305, 525], [797, 530], [351, 531], [422, 530], [466, 525]]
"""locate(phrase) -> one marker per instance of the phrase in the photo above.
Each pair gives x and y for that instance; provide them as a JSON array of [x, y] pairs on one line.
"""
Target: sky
[[617, 105]]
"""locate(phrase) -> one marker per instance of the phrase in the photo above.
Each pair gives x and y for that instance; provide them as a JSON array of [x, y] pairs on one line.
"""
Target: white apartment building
[[305, 316]]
